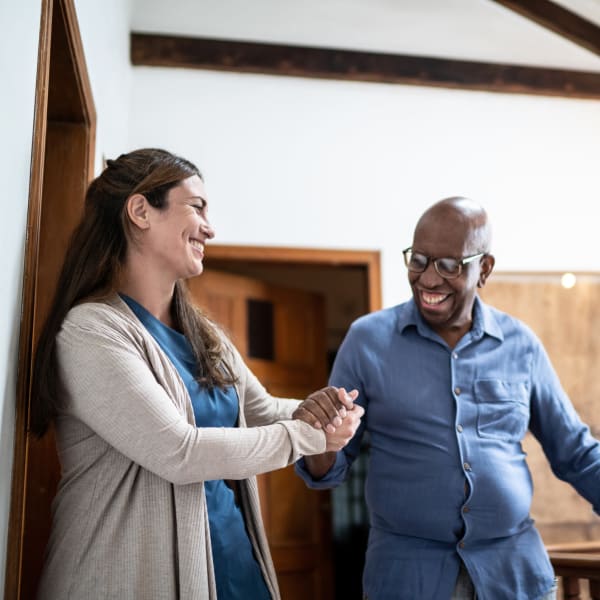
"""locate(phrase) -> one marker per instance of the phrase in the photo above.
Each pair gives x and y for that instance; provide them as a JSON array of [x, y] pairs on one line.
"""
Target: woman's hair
[[92, 266]]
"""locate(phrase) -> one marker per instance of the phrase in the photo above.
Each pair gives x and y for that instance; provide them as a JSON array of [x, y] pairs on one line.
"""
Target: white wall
[[318, 163], [104, 28], [18, 60]]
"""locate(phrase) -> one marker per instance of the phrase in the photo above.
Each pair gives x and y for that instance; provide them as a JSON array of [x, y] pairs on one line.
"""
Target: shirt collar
[[484, 320]]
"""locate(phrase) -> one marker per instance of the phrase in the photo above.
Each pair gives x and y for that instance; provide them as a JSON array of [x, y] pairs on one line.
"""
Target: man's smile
[[432, 298]]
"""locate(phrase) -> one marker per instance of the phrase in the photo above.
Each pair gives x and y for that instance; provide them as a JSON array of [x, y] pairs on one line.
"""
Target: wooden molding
[[559, 20], [15, 525], [59, 48], [369, 259], [86, 99], [277, 59]]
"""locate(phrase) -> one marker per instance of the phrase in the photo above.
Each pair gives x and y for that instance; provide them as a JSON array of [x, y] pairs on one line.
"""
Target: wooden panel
[[299, 61], [241, 257], [64, 190], [568, 323], [296, 323], [297, 520]]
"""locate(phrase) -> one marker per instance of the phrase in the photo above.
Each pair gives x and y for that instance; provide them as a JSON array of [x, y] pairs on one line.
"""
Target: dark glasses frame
[[438, 263]]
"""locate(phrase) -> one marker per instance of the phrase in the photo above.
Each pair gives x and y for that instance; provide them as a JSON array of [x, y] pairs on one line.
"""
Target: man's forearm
[[319, 464]]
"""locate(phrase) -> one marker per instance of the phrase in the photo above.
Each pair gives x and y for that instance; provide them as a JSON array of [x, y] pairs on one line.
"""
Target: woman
[[154, 409]]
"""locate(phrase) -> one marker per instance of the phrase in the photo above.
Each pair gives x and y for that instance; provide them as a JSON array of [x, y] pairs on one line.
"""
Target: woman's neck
[[154, 295]]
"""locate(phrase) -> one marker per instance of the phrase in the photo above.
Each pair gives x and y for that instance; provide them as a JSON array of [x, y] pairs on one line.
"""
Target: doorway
[[62, 165], [349, 283]]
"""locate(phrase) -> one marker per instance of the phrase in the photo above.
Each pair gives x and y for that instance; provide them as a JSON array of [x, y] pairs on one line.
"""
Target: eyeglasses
[[448, 268]]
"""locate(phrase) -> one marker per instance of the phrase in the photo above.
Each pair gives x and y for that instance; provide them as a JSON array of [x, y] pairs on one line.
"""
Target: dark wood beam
[[299, 61], [558, 19]]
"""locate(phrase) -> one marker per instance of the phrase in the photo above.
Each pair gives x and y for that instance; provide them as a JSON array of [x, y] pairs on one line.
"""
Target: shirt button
[[457, 391], [459, 428], [454, 355], [461, 544], [466, 509], [467, 466]]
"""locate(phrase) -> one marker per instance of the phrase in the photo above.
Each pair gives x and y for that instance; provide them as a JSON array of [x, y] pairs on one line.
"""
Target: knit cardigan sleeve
[[118, 382], [260, 408]]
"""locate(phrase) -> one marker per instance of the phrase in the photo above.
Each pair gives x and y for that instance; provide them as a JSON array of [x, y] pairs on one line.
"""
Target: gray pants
[[464, 589]]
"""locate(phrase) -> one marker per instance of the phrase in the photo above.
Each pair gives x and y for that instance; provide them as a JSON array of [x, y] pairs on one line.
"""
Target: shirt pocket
[[502, 409]]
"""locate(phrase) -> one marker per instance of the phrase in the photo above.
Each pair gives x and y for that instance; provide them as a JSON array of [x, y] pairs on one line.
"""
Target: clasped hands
[[333, 410]]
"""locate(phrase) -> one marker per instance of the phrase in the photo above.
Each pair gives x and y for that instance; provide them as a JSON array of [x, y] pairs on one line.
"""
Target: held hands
[[333, 410], [337, 439]]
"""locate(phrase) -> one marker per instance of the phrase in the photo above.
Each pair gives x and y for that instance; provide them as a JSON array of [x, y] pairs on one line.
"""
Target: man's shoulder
[[508, 324], [379, 321]]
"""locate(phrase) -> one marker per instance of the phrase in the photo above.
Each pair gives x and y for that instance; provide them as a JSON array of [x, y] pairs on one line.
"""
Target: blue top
[[439, 418], [237, 573]]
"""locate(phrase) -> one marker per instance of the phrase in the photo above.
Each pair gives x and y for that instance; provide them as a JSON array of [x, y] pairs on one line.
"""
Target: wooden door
[[281, 335]]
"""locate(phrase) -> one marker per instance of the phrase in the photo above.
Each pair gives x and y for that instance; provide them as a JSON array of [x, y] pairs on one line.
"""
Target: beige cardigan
[[129, 518]]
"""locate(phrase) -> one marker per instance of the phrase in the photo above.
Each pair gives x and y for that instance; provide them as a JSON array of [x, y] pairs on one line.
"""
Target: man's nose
[[430, 277]]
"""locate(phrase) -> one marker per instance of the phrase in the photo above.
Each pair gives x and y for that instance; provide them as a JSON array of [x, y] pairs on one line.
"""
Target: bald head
[[458, 214], [455, 231]]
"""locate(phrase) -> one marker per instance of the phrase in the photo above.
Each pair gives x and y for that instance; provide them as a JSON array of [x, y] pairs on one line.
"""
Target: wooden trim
[[559, 20], [81, 75], [278, 59], [576, 565], [15, 525], [370, 259], [545, 275], [575, 547], [50, 10]]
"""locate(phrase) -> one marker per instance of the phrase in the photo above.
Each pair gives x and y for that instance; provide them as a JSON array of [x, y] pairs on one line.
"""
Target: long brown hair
[[92, 265]]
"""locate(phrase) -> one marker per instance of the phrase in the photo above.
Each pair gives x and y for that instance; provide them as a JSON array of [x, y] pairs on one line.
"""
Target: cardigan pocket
[[502, 409]]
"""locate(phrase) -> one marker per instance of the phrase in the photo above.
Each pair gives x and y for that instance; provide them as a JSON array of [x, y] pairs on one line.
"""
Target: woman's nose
[[208, 230]]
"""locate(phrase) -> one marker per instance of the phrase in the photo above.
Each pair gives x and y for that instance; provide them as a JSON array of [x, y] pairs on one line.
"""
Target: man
[[450, 387]]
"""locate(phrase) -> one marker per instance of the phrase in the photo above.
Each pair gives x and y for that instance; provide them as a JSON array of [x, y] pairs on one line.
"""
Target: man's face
[[446, 304]]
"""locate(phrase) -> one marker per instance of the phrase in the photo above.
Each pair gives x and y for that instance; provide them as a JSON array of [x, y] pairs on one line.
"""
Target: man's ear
[[137, 210], [486, 268]]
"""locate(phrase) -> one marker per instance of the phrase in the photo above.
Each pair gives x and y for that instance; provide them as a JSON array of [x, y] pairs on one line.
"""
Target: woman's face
[[177, 234]]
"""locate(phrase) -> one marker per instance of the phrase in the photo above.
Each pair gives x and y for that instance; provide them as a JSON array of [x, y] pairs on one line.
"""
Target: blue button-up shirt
[[447, 477]]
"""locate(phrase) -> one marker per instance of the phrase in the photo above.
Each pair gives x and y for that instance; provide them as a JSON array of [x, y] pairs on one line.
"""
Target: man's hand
[[326, 408]]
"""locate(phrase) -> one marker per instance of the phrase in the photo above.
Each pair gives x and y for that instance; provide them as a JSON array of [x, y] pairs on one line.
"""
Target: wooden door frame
[[370, 260], [236, 257], [50, 10]]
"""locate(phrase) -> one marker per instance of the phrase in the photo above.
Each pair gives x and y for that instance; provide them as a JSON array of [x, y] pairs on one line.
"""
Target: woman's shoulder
[[106, 312]]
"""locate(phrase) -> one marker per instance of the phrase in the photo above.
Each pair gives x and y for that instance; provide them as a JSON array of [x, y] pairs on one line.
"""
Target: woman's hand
[[345, 432], [326, 408]]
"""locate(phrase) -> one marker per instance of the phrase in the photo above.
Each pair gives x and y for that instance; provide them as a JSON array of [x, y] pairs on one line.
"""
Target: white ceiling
[[479, 30]]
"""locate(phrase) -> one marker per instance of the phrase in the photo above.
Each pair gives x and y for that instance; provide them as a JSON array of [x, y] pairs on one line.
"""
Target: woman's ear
[[137, 211], [487, 265]]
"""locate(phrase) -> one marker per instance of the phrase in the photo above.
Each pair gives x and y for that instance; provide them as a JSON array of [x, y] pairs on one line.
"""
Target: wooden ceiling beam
[[298, 61], [559, 20], [277, 59]]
